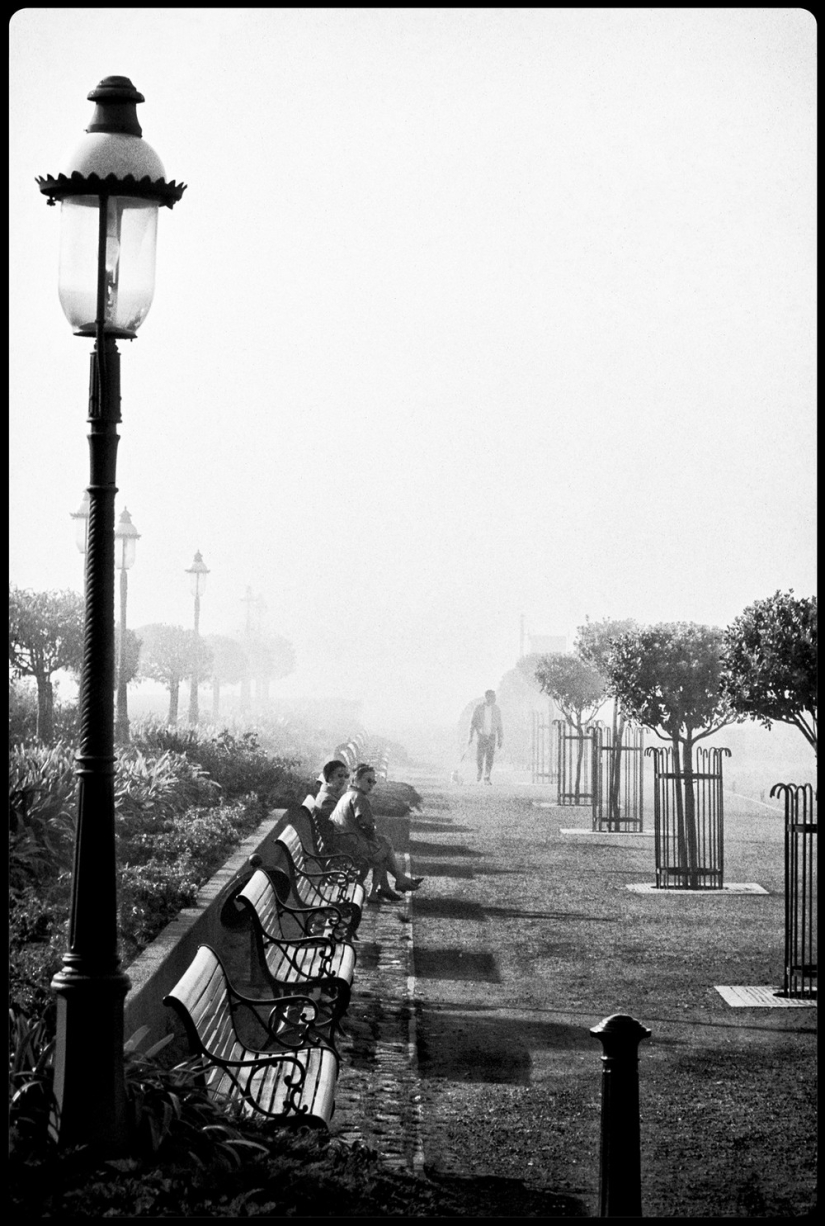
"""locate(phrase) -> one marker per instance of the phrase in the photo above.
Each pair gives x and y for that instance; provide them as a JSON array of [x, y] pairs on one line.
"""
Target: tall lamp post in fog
[[81, 525], [126, 534], [110, 188], [197, 573]]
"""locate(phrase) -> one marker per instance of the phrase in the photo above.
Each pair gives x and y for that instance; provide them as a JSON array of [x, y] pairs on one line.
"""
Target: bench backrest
[[259, 893], [294, 841], [201, 999]]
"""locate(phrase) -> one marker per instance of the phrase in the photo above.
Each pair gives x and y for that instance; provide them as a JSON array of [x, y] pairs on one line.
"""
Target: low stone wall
[[155, 971]]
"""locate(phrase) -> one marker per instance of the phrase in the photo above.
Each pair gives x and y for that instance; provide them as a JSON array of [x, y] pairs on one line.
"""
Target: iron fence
[[689, 821], [800, 888], [618, 772], [543, 749]]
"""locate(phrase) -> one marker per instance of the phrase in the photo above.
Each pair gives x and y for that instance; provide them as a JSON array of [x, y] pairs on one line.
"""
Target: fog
[[470, 323]]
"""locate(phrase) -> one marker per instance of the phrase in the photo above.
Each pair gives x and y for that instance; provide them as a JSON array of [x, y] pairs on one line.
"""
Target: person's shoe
[[388, 895], [374, 900], [488, 782], [409, 886]]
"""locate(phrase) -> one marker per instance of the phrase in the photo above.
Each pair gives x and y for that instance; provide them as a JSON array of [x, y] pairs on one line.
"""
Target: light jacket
[[477, 722]]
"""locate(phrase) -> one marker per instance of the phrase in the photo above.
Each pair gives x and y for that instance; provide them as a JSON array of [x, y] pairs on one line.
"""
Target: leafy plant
[[42, 789]]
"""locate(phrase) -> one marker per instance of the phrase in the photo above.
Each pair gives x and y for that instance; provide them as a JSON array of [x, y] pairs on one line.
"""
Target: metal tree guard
[[800, 888], [689, 820], [544, 749], [575, 762], [618, 773]]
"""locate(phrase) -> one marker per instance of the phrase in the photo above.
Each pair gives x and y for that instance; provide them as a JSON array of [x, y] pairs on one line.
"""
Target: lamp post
[[110, 188], [81, 523], [197, 573], [126, 534]]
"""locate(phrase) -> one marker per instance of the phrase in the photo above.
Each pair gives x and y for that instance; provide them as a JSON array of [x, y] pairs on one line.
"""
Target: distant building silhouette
[[543, 644]]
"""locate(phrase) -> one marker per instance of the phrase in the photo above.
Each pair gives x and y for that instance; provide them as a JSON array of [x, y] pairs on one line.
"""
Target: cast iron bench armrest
[[282, 1027], [329, 912], [291, 949], [347, 868], [300, 1076]]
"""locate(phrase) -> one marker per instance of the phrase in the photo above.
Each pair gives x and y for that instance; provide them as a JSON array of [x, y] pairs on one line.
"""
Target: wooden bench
[[317, 847], [298, 889], [291, 1081], [316, 966]]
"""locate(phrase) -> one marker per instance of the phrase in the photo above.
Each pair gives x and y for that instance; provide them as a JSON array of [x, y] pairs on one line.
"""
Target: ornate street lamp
[[110, 189], [126, 534], [197, 573], [81, 523]]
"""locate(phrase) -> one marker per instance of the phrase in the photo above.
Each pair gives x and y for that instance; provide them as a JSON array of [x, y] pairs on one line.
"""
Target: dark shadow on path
[[432, 868], [461, 1047], [495, 1196], [450, 962], [438, 827], [417, 847]]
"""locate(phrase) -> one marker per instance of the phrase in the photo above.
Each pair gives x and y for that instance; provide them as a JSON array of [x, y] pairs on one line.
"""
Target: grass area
[[557, 942]]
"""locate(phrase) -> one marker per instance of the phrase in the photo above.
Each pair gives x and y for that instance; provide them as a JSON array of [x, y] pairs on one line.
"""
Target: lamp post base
[[89, 1082]]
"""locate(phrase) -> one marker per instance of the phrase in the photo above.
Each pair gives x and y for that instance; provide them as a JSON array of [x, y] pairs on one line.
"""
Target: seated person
[[355, 835], [333, 779]]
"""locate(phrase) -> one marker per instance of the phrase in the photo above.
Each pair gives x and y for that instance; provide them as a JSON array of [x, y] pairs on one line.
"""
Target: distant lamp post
[[110, 189], [81, 523], [126, 534], [197, 573]]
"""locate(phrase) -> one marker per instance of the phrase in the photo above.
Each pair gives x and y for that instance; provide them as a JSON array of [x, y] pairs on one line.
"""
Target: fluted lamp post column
[[126, 534], [197, 573], [110, 188]]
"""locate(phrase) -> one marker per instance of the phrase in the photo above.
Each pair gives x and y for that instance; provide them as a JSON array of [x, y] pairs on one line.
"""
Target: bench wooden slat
[[321, 968], [285, 1084]]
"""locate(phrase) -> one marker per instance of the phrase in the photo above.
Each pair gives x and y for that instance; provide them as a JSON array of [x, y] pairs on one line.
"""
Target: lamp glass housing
[[197, 581], [124, 551], [81, 524], [131, 240]]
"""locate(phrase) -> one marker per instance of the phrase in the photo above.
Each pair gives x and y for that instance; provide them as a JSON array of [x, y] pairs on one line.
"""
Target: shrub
[[42, 790], [237, 762], [153, 789]]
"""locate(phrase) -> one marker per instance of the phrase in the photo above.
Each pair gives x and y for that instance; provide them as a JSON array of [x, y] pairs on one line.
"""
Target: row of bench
[[276, 1056]]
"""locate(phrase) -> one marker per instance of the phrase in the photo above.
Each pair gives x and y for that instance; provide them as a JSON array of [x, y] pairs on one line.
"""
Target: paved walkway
[[377, 1097]]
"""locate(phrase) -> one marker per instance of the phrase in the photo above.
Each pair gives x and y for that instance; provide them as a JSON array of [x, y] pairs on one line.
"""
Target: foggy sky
[[466, 315]]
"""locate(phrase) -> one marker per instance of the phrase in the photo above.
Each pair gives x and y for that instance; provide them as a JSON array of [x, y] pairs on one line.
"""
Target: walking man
[[486, 724]]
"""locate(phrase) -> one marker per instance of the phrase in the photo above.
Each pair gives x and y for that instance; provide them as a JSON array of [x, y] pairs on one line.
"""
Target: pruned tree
[[770, 659], [167, 654], [668, 677], [229, 663], [577, 688], [593, 643], [45, 635]]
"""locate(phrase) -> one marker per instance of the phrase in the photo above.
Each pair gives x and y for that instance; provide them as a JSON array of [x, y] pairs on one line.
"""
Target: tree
[[229, 664], [45, 634], [668, 677], [131, 656], [579, 690], [167, 654], [270, 657], [593, 644], [770, 662]]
